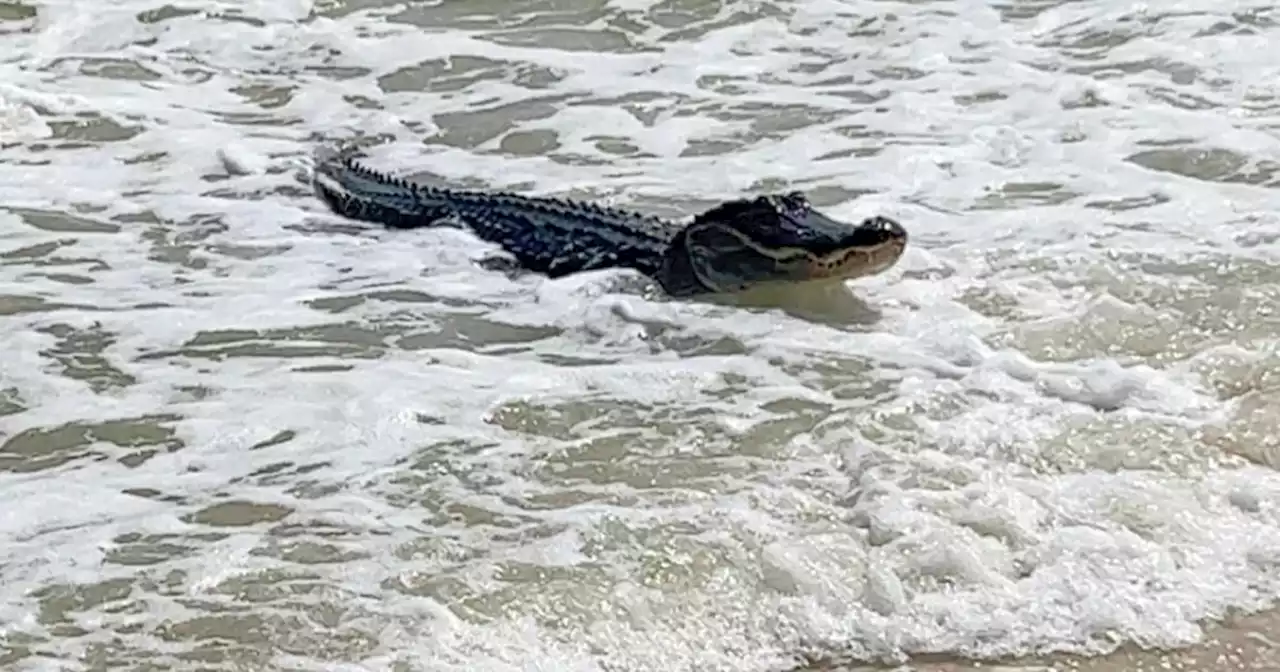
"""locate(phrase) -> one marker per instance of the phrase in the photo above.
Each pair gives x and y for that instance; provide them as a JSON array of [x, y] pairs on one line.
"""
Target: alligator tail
[[356, 192]]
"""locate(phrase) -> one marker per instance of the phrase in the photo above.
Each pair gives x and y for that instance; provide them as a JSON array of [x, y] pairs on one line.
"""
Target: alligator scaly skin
[[550, 236]]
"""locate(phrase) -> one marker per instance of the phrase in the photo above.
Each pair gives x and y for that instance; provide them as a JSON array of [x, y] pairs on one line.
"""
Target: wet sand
[[1239, 643]]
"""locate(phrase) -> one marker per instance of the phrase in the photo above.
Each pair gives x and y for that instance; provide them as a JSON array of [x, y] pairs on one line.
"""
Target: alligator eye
[[796, 200]]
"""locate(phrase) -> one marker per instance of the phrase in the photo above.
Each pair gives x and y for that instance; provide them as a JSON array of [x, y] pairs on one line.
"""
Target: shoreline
[[1238, 642]]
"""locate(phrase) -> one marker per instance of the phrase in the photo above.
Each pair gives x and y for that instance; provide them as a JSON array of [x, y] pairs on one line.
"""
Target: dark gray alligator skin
[[551, 236]]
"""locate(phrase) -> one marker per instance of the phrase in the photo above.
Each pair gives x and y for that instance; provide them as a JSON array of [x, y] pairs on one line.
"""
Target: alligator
[[737, 245]]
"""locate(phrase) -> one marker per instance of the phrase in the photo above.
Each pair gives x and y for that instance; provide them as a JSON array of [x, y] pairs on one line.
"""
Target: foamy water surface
[[241, 433]]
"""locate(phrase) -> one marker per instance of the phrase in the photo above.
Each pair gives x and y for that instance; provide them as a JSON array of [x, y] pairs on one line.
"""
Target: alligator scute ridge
[[549, 204]]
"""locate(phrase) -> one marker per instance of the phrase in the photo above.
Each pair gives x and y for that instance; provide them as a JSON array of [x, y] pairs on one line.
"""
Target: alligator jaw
[[777, 239]]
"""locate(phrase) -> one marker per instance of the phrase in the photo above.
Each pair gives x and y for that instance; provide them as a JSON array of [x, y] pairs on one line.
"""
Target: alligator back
[[551, 236]]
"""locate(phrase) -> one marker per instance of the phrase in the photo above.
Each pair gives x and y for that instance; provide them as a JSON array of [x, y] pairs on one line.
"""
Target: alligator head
[[775, 239]]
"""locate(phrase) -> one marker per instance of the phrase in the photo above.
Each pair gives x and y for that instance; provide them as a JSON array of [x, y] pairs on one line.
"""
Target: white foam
[[929, 482]]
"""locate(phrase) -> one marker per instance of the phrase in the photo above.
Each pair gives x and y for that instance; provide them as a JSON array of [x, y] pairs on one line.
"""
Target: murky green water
[[237, 432]]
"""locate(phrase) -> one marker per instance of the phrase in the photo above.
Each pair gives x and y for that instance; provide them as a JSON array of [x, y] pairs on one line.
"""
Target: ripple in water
[[239, 433]]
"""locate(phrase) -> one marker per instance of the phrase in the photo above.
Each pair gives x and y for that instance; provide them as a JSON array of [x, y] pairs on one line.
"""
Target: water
[[238, 433]]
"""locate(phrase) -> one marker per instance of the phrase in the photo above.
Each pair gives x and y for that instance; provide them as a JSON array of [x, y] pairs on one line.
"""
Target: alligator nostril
[[889, 226]]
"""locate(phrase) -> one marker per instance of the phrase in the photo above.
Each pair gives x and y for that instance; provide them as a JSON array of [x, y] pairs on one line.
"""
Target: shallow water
[[237, 432]]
